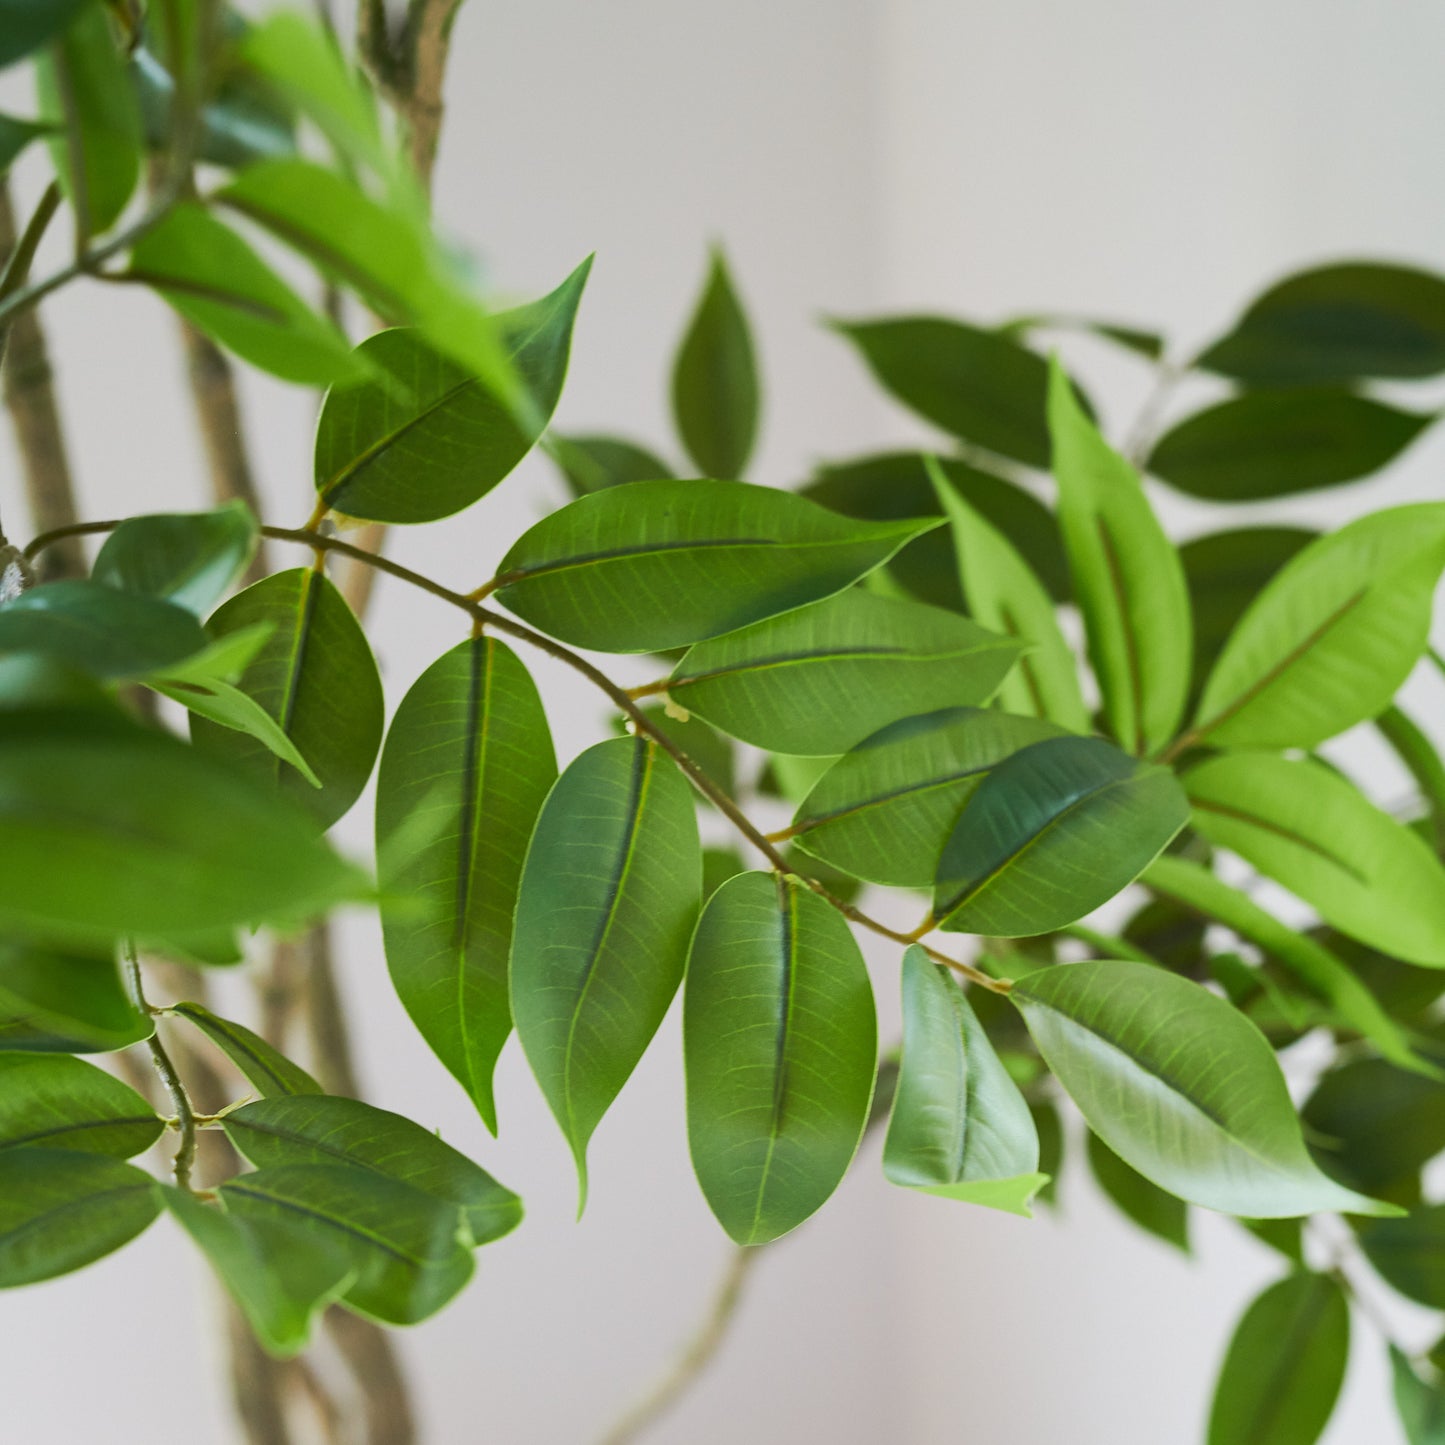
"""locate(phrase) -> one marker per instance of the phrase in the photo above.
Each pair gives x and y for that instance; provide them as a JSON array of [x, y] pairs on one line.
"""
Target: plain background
[[1147, 162]]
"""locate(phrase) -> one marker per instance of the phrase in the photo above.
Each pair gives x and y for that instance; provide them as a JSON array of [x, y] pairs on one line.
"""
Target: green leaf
[[819, 680], [1335, 323], [55, 1102], [266, 1069], [53, 1001], [1319, 969], [190, 559], [218, 283], [1004, 594], [609, 895], [1153, 1209], [1050, 1129], [715, 380], [109, 829], [278, 1273], [705, 746], [15, 135], [662, 564], [959, 1128], [1416, 751], [220, 702], [61, 1210], [718, 865], [1329, 641], [1143, 343], [1276, 443], [317, 679], [29, 24], [427, 437], [1127, 576], [321, 1129], [467, 765], [978, 385], [99, 630], [1421, 1405], [1180, 1086], [407, 1250], [1285, 1365], [884, 810], [85, 92], [1308, 828], [594, 463], [780, 1042], [1054, 831]]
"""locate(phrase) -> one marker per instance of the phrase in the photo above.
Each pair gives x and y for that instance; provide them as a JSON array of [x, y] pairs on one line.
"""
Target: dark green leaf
[[1284, 1236], [1421, 1405], [960, 1128], [53, 1001], [1054, 831], [29, 24], [1180, 1086], [1050, 1129], [318, 680], [715, 380], [1171, 935], [61, 1210], [704, 745], [1151, 1208], [1143, 343], [189, 559], [662, 564], [427, 437], [467, 764], [1409, 1253], [609, 896], [15, 135], [321, 1129], [49, 1101], [1285, 1365], [819, 680], [780, 1042], [267, 1070], [718, 865], [594, 463]]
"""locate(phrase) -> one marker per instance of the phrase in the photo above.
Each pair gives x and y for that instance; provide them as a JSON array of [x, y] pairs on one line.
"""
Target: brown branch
[[368, 1352], [331, 1052]]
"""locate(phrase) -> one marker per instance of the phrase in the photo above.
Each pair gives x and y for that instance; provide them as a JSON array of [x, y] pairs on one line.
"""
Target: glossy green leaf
[[277, 1272], [1421, 1405], [662, 564], [1180, 1086], [819, 680], [407, 1250], [704, 745], [609, 895], [1409, 1253], [318, 680], [54, 1102], [15, 135], [108, 829], [1322, 971], [1332, 637], [1417, 751], [1310, 829], [594, 463], [884, 810], [1054, 831], [959, 1128], [266, 1069], [1276, 443], [68, 1002], [715, 380], [62, 1209], [1003, 594], [467, 765], [218, 283], [99, 630], [29, 24], [428, 438], [1127, 577], [780, 1043], [1285, 1365], [978, 385], [1335, 323], [1153, 1209], [221, 703], [85, 92], [190, 559], [322, 1129]]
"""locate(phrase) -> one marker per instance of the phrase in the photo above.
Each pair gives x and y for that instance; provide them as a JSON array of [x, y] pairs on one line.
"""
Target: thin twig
[[166, 1069]]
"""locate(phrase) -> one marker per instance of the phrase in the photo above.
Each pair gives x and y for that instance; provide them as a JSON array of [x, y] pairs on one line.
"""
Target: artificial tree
[[881, 648]]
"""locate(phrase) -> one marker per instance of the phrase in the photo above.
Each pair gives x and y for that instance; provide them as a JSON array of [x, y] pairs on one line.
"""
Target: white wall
[[1148, 162]]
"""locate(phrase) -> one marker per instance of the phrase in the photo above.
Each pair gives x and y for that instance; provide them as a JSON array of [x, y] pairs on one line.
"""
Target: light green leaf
[[266, 1069], [662, 564], [317, 679], [594, 463], [61, 1210], [1409, 1253], [55, 1102], [715, 380], [15, 136], [884, 810], [1180, 1086], [1285, 1365], [1421, 1405], [959, 1128], [780, 1042], [190, 559], [1127, 577], [467, 765], [29, 24], [1153, 1209], [609, 895], [54, 1001], [220, 702], [1312, 830], [1054, 831], [1332, 637], [1003, 594], [819, 680]]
